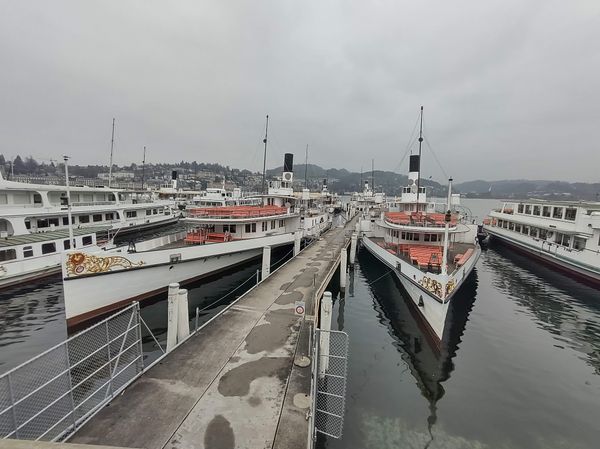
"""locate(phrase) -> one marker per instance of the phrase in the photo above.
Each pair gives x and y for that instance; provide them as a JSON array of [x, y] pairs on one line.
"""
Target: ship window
[[43, 223], [518, 227], [505, 225], [48, 248], [97, 217], [250, 227], [154, 211], [67, 244], [65, 221], [131, 213], [87, 240], [272, 224], [557, 212], [511, 226], [229, 228], [27, 251], [546, 211], [578, 243], [264, 226], [543, 234], [520, 209], [8, 254], [281, 224], [37, 198], [533, 232], [570, 213], [528, 209], [84, 219], [536, 210], [53, 221], [109, 216], [148, 211], [562, 239], [525, 230], [27, 224]]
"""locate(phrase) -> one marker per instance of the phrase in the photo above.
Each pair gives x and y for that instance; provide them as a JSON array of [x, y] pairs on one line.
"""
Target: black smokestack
[[414, 164], [325, 182], [174, 175], [288, 162]]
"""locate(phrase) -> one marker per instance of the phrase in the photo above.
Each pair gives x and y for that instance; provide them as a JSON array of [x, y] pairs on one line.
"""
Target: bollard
[[325, 326], [266, 263], [297, 241], [353, 241], [172, 316], [343, 268], [183, 318]]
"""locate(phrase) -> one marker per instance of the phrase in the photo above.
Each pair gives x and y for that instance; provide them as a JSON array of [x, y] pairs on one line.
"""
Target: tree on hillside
[[31, 165], [18, 166]]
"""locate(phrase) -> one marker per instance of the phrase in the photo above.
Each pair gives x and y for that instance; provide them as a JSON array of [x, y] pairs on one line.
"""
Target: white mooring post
[[325, 325], [266, 263], [353, 242], [172, 316], [297, 241], [343, 268], [183, 318]]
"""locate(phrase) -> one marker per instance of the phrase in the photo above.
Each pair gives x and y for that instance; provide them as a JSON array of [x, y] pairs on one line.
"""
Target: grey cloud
[[511, 88]]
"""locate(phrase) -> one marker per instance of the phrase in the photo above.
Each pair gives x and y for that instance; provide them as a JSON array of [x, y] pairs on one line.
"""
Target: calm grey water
[[521, 370]]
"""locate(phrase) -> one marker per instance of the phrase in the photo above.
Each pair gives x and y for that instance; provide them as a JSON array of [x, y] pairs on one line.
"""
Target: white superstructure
[[563, 234], [32, 208]]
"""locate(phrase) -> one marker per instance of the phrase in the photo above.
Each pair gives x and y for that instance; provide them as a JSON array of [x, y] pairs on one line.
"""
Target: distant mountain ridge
[[342, 180], [524, 188]]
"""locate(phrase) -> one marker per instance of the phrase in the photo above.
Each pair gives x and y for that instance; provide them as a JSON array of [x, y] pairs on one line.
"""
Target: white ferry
[[32, 208], [565, 235], [218, 238], [431, 253]]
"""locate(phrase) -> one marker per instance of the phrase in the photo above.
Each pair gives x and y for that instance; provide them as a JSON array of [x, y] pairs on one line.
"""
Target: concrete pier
[[241, 381]]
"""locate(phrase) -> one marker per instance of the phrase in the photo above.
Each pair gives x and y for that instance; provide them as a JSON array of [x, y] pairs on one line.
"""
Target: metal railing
[[50, 396], [328, 387]]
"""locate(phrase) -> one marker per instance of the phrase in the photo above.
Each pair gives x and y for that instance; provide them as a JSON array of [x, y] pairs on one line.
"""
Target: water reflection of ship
[[429, 362], [561, 305]]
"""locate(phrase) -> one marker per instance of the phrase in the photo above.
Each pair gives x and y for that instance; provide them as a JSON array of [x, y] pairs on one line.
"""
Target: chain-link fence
[[51, 395], [330, 371]]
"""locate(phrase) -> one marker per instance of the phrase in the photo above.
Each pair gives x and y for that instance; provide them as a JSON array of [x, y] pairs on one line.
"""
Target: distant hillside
[[521, 188], [341, 180]]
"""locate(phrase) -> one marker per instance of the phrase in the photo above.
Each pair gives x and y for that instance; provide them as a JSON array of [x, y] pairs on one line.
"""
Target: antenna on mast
[[112, 144], [306, 169], [265, 155], [419, 174], [373, 174], [144, 167]]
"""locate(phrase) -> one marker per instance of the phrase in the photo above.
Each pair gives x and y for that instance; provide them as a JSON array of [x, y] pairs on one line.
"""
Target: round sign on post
[[299, 309]]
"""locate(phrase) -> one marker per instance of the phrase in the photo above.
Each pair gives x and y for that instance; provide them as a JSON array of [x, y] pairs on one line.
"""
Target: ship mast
[[447, 219], [265, 155], [419, 174], [306, 169], [112, 144]]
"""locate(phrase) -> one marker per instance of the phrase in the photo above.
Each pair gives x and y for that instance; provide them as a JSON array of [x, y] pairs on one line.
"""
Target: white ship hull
[[113, 279], [583, 265], [431, 308]]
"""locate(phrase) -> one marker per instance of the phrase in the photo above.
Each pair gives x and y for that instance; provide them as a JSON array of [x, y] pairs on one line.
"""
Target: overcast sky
[[511, 88]]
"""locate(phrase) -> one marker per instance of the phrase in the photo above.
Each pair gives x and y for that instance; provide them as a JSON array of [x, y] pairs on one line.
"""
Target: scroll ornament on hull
[[80, 263], [432, 286]]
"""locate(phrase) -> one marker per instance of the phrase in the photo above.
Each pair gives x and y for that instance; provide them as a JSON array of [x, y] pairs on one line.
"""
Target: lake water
[[522, 368]]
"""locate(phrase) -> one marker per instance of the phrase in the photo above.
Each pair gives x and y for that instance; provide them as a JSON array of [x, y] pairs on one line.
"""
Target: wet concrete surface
[[233, 384]]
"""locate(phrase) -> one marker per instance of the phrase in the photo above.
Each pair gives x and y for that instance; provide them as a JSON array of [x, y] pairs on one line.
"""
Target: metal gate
[[51, 395], [330, 370]]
